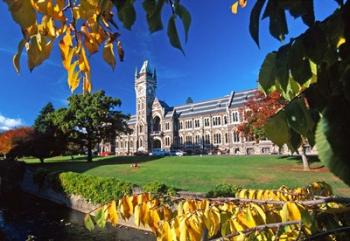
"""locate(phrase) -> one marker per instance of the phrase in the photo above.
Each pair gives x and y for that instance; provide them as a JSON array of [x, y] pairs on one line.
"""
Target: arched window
[[181, 140], [156, 124], [140, 142], [235, 136]]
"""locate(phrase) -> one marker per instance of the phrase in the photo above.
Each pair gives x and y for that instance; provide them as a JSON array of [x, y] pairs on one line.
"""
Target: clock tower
[[145, 88]]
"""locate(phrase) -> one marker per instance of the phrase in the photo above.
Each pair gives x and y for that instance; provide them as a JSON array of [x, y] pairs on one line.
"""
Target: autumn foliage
[[256, 112], [9, 139]]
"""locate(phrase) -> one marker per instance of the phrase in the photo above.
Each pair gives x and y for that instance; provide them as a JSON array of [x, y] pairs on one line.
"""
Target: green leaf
[[315, 44], [278, 23], [255, 19], [267, 74], [282, 70], [277, 130], [126, 12], [299, 63], [294, 141], [101, 218], [299, 117], [173, 35], [153, 9], [332, 138], [89, 224], [185, 16]]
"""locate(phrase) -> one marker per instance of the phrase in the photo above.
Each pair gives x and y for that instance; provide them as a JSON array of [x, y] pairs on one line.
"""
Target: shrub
[[92, 188], [156, 187], [223, 190]]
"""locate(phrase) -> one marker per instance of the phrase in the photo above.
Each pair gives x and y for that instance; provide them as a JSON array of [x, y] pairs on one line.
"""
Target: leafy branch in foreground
[[312, 73], [204, 219], [82, 28]]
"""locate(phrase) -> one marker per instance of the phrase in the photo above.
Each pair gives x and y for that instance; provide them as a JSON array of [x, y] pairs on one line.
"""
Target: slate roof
[[234, 100]]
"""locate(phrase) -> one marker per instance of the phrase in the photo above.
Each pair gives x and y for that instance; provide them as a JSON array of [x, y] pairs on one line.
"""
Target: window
[[140, 129], [167, 126], [121, 144], [167, 141], [117, 144], [235, 136], [217, 138], [188, 140], [180, 125], [181, 140], [196, 123], [235, 116], [226, 138], [225, 120], [216, 121], [140, 143], [188, 124], [131, 144], [206, 122], [265, 150], [126, 144], [198, 139], [207, 139]]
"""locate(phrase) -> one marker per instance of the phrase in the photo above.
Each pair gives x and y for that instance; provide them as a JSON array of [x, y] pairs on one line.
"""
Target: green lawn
[[195, 173]]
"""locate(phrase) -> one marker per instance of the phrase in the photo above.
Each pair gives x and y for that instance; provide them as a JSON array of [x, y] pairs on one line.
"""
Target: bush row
[[104, 189]]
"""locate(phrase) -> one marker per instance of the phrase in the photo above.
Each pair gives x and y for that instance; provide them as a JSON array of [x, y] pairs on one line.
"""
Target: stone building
[[208, 126]]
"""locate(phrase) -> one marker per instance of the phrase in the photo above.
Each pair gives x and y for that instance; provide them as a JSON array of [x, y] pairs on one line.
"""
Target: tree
[[257, 110], [89, 118], [189, 100], [9, 140], [84, 26], [42, 124]]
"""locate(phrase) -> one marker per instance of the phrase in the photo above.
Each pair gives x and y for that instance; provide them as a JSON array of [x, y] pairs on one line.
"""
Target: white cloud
[[8, 123]]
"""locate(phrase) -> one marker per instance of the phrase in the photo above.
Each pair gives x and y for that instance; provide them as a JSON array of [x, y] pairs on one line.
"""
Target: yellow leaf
[[341, 41], [108, 55], [87, 83], [22, 12], [51, 28], [242, 193], [112, 213], [38, 51], [183, 229], [242, 3], [84, 64], [294, 211], [251, 193], [73, 76], [137, 214], [167, 213], [234, 7], [17, 56], [260, 212]]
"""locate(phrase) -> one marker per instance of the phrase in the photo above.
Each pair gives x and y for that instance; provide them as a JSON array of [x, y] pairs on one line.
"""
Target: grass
[[196, 173]]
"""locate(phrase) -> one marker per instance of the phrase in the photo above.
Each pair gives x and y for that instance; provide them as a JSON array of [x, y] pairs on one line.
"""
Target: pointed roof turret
[[146, 68]]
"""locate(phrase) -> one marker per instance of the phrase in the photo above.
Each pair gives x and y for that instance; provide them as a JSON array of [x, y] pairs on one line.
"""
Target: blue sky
[[220, 57]]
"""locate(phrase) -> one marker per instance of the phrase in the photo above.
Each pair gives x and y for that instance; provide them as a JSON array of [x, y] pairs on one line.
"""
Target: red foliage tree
[[9, 139], [257, 110]]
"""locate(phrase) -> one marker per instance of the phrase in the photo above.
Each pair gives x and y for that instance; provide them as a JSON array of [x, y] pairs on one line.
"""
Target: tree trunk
[[89, 157], [41, 160], [305, 160]]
